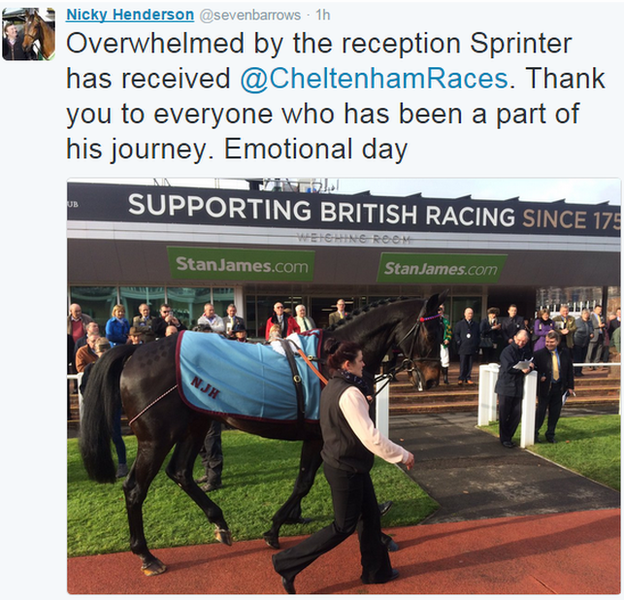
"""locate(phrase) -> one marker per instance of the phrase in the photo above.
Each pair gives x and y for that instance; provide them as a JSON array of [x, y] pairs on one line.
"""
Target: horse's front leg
[[291, 509], [180, 470]]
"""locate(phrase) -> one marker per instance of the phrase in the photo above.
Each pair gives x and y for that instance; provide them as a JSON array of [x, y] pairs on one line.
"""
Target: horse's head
[[420, 344], [32, 30]]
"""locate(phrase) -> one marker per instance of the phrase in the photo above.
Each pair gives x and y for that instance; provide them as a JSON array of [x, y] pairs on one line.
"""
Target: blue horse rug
[[216, 375]]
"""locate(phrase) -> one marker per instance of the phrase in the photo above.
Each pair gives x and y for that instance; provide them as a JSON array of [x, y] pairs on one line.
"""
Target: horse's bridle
[[31, 36], [409, 364], [37, 26]]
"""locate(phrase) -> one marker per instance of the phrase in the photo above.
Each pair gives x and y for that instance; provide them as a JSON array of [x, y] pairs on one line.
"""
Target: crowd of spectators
[[589, 338], [555, 342]]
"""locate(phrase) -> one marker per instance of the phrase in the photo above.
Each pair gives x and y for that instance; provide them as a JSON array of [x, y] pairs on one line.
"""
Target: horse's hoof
[[154, 568], [393, 546], [271, 541], [224, 536]]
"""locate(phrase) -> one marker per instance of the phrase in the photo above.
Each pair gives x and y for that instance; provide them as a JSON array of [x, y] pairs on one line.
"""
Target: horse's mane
[[365, 309]]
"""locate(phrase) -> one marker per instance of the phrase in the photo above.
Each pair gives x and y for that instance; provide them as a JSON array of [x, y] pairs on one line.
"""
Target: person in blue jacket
[[117, 327]]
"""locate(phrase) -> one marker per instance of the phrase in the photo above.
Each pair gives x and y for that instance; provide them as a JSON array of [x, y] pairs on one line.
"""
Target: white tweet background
[[35, 171]]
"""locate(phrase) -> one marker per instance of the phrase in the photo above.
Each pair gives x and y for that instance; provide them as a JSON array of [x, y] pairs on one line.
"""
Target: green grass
[[589, 446], [258, 477]]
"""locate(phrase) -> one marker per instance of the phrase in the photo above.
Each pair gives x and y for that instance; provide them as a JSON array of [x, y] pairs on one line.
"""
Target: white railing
[[488, 375], [78, 378]]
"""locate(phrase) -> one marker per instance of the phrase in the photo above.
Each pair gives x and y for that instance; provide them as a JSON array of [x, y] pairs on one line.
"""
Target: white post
[[382, 410], [488, 375], [484, 400], [527, 431], [494, 368]]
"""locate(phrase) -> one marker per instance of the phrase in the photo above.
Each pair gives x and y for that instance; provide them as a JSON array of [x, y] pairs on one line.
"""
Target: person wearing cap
[[447, 336], [239, 332], [135, 336], [101, 346]]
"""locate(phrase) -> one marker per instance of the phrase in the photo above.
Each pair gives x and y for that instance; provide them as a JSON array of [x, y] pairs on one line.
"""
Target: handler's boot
[[445, 373]]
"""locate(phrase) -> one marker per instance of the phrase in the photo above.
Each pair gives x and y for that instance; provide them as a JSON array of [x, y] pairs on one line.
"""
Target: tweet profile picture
[[28, 34]]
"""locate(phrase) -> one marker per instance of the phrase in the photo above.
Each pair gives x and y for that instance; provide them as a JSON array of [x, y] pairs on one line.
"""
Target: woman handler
[[350, 441]]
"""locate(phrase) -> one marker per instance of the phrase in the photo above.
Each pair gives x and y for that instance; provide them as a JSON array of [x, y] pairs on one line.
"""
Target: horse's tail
[[100, 400]]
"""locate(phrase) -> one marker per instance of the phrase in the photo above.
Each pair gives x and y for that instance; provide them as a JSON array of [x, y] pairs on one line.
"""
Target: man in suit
[[614, 322], [232, 320], [286, 322], [510, 387], [305, 323], [339, 314], [512, 324], [143, 322], [594, 351], [555, 378], [466, 336], [565, 325]]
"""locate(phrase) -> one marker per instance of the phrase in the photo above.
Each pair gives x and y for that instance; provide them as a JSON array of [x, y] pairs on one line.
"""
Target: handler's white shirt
[[354, 407]]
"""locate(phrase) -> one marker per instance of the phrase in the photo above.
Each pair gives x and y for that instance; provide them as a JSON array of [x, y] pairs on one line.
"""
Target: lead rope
[[314, 369], [152, 404]]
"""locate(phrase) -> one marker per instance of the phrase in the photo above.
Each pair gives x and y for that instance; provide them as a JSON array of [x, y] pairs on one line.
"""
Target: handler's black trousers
[[353, 496], [509, 414], [550, 401]]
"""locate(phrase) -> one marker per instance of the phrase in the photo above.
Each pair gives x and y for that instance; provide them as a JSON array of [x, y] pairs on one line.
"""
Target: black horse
[[146, 385]]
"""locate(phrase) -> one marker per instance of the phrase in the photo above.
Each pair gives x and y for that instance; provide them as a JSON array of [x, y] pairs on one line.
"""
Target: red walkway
[[566, 553]]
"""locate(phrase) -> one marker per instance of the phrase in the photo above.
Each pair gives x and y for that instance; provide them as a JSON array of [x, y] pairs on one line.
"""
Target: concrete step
[[455, 406], [450, 394], [595, 388]]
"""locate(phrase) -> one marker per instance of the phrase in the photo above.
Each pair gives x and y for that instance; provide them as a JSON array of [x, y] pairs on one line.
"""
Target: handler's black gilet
[[342, 449]]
